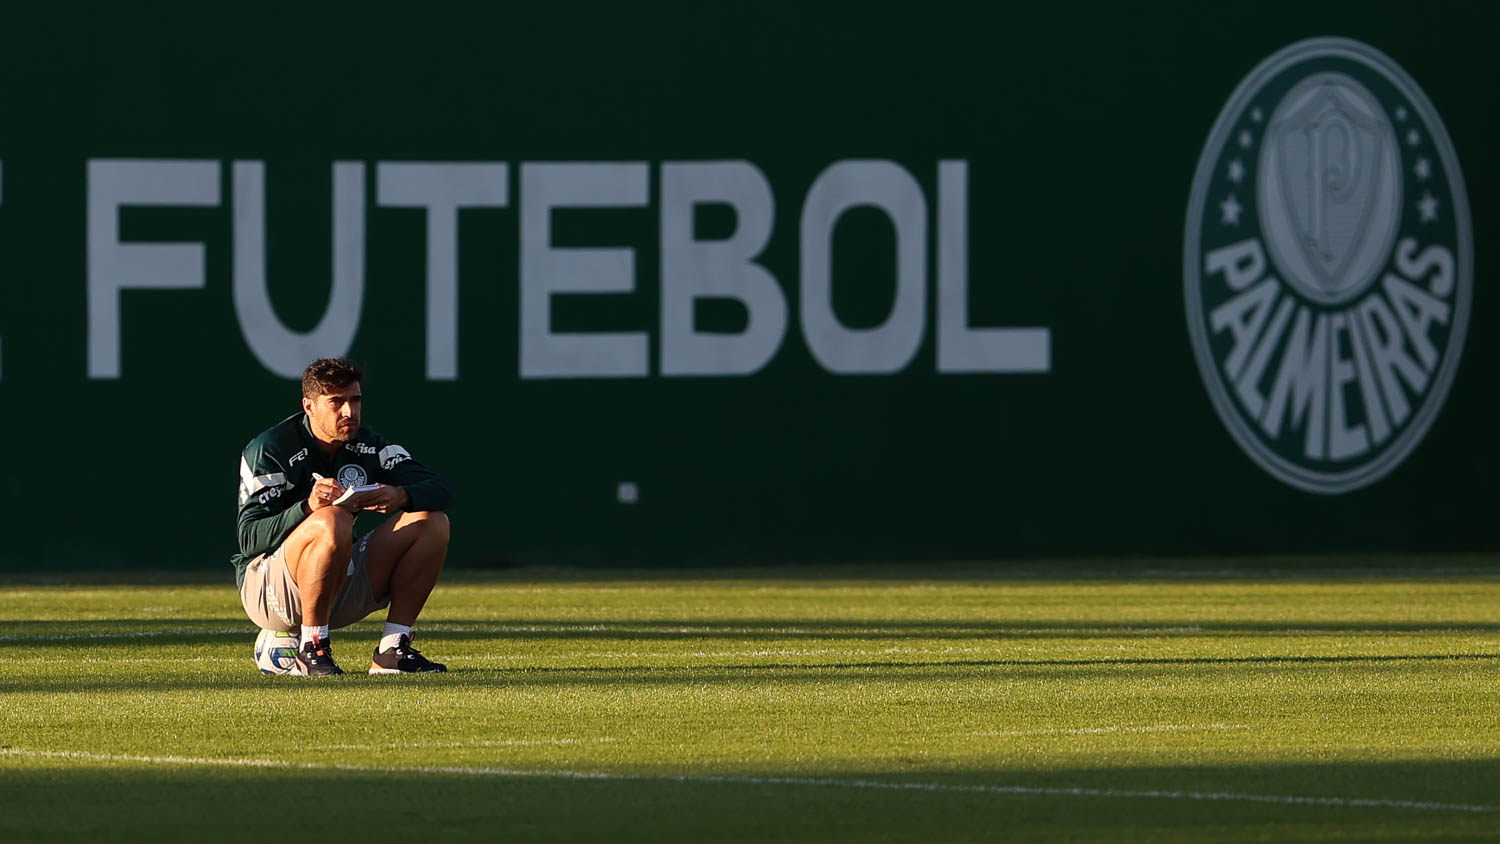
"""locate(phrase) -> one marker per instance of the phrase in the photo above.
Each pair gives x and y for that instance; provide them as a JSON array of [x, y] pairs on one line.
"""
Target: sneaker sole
[[376, 669]]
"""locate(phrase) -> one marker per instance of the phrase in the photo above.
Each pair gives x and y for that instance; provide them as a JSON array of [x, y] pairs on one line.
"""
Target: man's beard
[[337, 435]]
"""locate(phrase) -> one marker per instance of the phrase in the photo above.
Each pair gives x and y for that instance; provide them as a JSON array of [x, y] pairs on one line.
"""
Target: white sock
[[310, 633], [392, 635]]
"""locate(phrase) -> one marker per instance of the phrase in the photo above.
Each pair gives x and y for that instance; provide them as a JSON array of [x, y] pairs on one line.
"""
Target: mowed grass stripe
[[1015, 790], [1099, 731]]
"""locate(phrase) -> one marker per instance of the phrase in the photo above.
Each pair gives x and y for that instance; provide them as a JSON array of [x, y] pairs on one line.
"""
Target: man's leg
[[404, 559], [317, 558], [317, 555]]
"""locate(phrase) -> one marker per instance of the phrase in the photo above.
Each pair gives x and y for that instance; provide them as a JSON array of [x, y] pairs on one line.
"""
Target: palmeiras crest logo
[[352, 475], [1328, 265]]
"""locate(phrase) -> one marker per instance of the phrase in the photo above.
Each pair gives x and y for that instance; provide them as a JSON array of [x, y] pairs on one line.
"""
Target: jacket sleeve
[[427, 490], [268, 509]]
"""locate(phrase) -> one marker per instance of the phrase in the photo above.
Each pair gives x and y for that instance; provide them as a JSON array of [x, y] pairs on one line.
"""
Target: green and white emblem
[[1328, 265], [351, 475]]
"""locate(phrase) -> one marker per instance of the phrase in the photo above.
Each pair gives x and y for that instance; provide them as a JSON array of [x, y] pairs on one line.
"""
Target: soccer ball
[[275, 652]]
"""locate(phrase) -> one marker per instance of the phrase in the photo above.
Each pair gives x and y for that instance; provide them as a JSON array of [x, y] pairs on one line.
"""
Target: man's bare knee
[[433, 524], [329, 536], [332, 526]]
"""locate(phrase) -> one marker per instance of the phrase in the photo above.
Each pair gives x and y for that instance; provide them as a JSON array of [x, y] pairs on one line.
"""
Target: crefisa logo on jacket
[[1328, 265]]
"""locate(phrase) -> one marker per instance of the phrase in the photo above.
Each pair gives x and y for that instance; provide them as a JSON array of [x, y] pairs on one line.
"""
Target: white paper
[[352, 491]]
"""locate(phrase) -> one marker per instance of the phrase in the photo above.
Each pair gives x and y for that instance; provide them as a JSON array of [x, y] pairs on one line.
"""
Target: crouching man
[[302, 482]]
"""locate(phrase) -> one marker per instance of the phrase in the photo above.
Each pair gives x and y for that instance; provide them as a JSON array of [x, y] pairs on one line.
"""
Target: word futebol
[[691, 268]]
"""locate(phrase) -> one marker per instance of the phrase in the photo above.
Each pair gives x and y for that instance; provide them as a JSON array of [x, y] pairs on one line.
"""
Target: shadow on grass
[[119, 640], [1354, 567], [71, 800], [927, 671], [585, 669], [123, 632]]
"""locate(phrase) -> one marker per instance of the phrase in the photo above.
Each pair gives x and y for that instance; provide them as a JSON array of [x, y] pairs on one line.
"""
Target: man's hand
[[387, 499], [324, 491]]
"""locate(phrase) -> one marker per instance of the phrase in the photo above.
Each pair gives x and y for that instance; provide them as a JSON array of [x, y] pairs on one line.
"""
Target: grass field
[[1268, 701]]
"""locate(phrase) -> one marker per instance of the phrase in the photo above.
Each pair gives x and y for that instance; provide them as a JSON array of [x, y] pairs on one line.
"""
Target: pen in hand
[[327, 499]]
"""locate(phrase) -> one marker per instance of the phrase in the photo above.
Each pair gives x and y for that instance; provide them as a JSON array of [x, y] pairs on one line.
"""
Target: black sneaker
[[403, 659], [316, 660]]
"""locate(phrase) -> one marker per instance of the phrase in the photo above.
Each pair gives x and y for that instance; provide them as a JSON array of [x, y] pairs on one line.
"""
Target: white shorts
[[272, 600]]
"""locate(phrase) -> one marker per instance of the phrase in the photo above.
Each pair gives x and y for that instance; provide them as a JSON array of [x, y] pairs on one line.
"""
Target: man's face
[[334, 416]]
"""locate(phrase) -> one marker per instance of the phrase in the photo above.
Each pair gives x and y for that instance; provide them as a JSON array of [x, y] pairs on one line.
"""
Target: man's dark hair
[[325, 375]]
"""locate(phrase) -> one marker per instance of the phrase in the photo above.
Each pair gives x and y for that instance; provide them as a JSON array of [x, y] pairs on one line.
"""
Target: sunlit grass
[[1372, 690]]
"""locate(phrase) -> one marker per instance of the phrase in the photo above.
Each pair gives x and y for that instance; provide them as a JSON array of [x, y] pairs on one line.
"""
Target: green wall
[[1076, 132]]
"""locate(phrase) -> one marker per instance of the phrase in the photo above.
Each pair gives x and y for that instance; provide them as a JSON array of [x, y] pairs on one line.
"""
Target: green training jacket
[[276, 476]]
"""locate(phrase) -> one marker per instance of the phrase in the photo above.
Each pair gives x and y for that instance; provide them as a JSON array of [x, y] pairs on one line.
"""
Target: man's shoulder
[[280, 439], [384, 451]]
